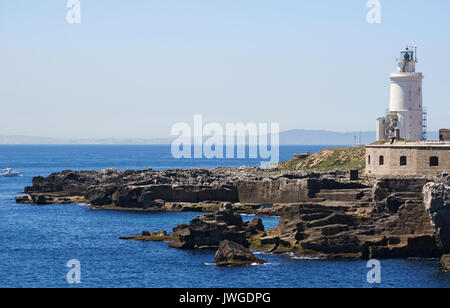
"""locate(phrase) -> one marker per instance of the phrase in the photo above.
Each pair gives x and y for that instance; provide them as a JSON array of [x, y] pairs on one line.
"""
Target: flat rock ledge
[[232, 254], [146, 236]]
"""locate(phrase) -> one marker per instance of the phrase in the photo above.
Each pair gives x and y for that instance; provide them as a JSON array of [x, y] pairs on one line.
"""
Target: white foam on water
[[82, 204], [257, 264], [248, 215], [253, 264]]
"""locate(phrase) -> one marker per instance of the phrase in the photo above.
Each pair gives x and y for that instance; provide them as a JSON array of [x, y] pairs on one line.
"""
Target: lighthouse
[[405, 119]]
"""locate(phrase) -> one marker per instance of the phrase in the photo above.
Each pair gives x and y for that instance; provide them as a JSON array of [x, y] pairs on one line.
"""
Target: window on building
[[434, 161], [403, 161], [381, 160], [368, 160]]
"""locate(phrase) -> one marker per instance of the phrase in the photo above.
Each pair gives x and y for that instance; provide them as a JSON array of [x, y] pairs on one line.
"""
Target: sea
[[37, 242]]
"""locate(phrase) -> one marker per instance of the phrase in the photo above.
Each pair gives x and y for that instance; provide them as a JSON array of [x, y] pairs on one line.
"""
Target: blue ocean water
[[37, 241]]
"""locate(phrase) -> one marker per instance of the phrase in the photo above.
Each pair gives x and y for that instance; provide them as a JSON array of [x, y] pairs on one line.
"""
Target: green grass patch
[[328, 160]]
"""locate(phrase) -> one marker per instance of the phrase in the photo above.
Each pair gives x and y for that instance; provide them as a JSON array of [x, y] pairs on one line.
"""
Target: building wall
[[417, 160], [406, 101], [381, 129], [444, 135]]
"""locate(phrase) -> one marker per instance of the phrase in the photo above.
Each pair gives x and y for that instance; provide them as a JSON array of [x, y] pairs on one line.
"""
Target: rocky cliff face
[[150, 189], [437, 204], [399, 225], [321, 213], [132, 189]]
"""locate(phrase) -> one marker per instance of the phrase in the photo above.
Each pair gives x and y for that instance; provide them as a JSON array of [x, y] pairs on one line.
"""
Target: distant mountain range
[[290, 137], [54, 141]]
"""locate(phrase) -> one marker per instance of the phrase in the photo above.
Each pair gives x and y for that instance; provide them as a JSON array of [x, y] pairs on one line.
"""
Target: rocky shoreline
[[322, 214], [253, 191]]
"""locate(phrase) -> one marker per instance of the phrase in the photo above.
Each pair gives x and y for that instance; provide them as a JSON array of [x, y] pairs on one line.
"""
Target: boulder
[[233, 254], [445, 261]]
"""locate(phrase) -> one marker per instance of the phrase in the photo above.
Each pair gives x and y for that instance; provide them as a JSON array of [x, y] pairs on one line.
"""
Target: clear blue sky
[[134, 68]]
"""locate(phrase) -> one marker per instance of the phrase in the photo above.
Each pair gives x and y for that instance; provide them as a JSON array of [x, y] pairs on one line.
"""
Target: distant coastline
[[290, 137]]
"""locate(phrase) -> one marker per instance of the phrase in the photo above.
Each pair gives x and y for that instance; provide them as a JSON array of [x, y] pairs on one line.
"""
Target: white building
[[405, 119]]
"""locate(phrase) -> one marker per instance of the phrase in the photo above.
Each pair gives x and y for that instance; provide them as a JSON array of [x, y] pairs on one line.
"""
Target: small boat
[[9, 173]]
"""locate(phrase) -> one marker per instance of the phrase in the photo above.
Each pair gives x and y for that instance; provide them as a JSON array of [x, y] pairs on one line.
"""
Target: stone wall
[[292, 190], [444, 135], [417, 159]]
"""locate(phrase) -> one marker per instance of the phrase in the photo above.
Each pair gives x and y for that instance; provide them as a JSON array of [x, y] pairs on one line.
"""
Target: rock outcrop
[[321, 213], [249, 190], [437, 203], [323, 230], [409, 228], [208, 231], [146, 236], [445, 262], [234, 254]]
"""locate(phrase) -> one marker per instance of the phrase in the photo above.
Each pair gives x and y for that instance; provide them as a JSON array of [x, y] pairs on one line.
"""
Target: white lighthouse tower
[[405, 119]]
